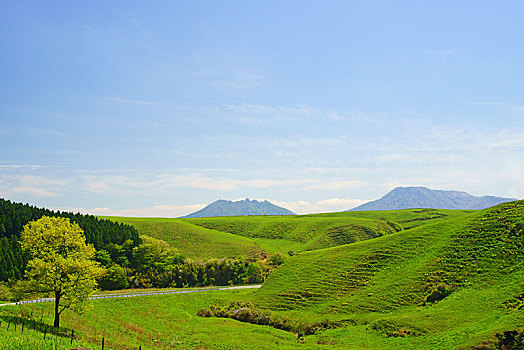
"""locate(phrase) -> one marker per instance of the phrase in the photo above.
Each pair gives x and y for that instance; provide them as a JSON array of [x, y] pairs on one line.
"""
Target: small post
[[45, 331], [103, 340], [8, 324], [72, 335], [15, 323], [23, 323]]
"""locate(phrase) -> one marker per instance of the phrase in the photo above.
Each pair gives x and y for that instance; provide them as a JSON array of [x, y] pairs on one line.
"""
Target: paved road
[[140, 294]]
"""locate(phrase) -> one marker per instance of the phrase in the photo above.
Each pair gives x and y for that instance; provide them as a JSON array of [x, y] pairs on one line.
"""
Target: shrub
[[439, 293], [115, 278], [5, 293]]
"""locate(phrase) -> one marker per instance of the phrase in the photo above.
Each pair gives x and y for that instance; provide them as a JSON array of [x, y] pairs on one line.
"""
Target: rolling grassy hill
[[192, 241], [472, 266], [218, 237], [316, 231]]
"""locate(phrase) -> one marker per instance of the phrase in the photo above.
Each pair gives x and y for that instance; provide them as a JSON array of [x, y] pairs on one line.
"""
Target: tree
[[155, 253], [61, 262], [115, 278]]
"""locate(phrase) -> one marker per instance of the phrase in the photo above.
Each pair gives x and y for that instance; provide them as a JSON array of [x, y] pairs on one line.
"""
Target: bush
[[115, 278], [5, 292], [276, 259], [246, 312], [439, 293]]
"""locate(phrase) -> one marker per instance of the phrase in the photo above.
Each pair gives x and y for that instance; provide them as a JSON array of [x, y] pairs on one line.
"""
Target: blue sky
[[130, 108]]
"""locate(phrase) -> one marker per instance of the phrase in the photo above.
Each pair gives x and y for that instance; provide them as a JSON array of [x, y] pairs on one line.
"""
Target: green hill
[[316, 231], [446, 285], [192, 241]]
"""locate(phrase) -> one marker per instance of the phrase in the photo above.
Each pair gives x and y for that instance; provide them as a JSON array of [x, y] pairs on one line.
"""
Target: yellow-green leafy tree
[[61, 263]]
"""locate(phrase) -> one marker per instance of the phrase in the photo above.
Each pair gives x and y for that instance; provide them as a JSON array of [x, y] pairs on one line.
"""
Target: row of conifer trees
[[13, 216]]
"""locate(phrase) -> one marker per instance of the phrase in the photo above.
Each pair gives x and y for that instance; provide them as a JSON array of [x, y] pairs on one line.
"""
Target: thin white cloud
[[20, 166], [160, 183], [34, 191], [166, 211], [134, 102], [335, 185], [392, 157], [322, 206], [259, 113], [517, 108], [267, 183]]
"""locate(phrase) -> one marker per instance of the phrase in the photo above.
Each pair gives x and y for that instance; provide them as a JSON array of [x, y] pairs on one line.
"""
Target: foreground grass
[[157, 322]]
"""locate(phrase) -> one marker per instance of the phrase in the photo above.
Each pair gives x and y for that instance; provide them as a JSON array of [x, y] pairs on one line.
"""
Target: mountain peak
[[423, 197], [243, 207]]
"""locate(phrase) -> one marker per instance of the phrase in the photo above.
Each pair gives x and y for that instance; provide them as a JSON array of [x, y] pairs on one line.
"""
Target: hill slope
[[316, 231], [422, 197], [192, 241], [446, 285], [239, 208]]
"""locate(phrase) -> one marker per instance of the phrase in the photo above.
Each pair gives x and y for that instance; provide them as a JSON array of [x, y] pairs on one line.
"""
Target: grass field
[[218, 237], [317, 231], [192, 241], [153, 322]]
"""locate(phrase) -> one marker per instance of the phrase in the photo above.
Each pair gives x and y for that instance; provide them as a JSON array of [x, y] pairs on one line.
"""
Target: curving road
[[139, 294]]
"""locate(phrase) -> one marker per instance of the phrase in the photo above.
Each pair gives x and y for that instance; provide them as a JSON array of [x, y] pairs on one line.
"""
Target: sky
[[158, 108]]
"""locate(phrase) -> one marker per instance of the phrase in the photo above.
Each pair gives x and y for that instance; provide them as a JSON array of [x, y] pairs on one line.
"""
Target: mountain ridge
[[244, 207], [423, 197]]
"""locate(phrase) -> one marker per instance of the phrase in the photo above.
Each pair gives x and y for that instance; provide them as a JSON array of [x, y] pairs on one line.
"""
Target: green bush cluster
[[438, 293], [392, 329], [199, 274], [247, 312]]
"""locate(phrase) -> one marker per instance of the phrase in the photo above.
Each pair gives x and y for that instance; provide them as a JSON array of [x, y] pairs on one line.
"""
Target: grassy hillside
[[190, 240], [153, 322], [407, 218], [316, 231], [471, 265]]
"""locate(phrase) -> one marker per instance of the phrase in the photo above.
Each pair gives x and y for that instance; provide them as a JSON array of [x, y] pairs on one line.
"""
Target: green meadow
[[408, 279], [190, 240]]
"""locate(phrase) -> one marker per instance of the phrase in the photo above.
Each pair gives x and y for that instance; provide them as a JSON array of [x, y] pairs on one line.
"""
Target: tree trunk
[[57, 314]]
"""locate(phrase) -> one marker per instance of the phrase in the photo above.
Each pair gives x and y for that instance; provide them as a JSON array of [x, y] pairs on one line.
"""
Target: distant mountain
[[244, 207], [422, 197]]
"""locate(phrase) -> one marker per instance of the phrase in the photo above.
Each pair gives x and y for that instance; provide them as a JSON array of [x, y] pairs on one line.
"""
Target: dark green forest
[[130, 261], [103, 234]]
